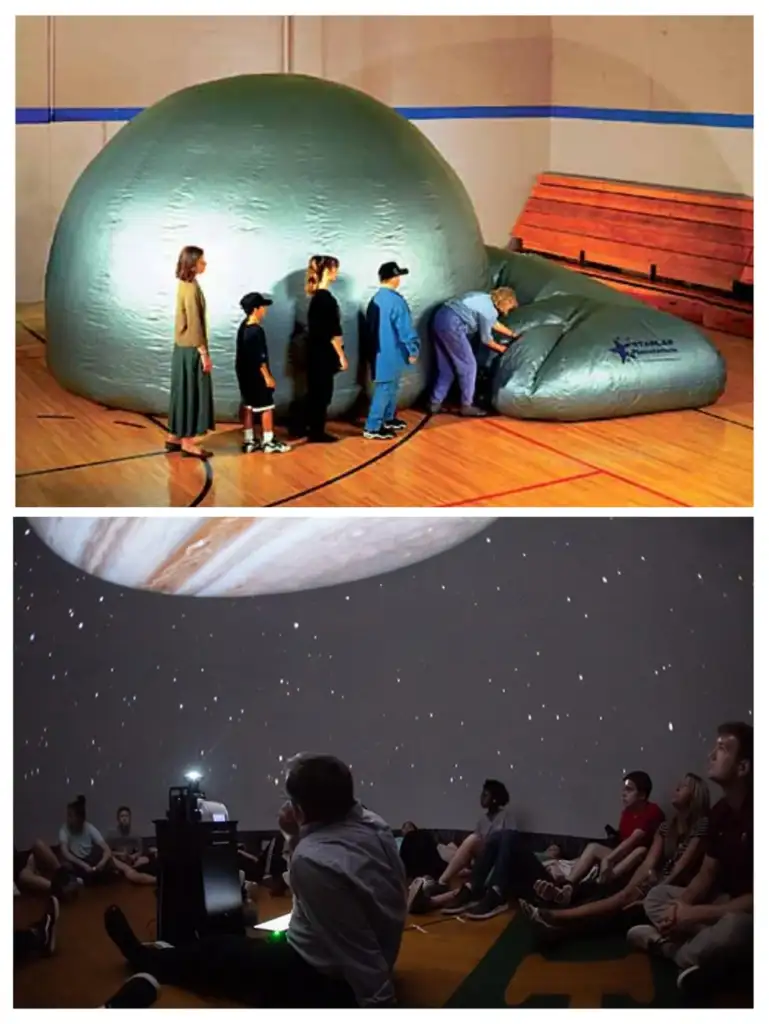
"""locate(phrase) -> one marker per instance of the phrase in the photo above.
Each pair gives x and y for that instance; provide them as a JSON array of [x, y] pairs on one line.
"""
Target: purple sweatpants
[[454, 357]]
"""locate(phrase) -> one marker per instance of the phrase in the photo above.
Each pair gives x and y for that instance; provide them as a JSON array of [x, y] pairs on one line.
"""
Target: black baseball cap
[[252, 301], [390, 270]]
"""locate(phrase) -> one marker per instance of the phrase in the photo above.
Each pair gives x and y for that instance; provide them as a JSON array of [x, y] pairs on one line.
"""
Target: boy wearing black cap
[[256, 383], [395, 344]]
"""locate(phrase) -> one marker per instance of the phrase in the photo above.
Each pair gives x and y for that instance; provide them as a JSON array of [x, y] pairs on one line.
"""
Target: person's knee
[[656, 899]]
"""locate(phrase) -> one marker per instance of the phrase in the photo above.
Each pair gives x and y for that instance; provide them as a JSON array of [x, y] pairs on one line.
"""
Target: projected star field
[[553, 654]]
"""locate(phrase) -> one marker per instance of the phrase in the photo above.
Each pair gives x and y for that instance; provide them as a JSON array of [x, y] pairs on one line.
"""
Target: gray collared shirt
[[349, 910]]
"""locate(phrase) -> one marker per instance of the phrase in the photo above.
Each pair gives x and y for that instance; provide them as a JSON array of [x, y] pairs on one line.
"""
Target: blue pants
[[382, 408], [454, 357]]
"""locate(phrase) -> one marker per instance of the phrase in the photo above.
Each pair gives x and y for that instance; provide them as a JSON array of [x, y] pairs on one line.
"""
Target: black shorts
[[255, 395]]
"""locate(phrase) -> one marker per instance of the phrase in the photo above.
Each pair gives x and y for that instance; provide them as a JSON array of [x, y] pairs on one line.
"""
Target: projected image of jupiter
[[246, 557]]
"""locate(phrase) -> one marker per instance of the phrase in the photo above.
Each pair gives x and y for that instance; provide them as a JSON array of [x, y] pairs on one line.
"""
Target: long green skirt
[[191, 410]]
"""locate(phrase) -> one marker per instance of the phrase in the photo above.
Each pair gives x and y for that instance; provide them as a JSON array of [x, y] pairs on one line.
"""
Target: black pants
[[320, 391], [257, 972], [419, 853]]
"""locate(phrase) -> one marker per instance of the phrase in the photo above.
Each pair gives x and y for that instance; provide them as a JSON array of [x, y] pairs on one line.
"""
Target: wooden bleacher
[[688, 253]]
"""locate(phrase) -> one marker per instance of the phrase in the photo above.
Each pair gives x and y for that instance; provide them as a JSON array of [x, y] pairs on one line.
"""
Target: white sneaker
[[643, 937], [446, 851]]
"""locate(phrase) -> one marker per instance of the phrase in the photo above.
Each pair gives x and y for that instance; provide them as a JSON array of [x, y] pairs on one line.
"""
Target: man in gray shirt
[[349, 890]]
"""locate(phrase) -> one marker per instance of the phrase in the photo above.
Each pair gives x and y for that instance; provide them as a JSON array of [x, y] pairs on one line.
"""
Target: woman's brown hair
[[316, 268], [682, 825], [187, 263]]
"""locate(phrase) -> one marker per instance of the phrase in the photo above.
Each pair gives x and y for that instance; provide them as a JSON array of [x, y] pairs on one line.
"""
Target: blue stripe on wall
[[42, 115]]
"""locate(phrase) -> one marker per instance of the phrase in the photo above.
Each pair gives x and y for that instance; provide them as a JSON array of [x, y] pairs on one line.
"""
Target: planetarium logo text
[[630, 350]]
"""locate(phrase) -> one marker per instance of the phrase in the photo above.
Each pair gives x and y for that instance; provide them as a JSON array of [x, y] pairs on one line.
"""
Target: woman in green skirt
[[191, 411]]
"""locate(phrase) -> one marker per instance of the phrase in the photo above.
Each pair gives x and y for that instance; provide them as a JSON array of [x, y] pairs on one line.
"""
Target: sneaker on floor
[[249, 447], [139, 992], [687, 978], [275, 446], [644, 937], [46, 928], [396, 425], [549, 892], [434, 408], [462, 900], [537, 915], [473, 412], [493, 903], [382, 434], [418, 900]]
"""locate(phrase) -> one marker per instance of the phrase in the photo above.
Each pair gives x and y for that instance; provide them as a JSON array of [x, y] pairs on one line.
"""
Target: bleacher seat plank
[[684, 251]]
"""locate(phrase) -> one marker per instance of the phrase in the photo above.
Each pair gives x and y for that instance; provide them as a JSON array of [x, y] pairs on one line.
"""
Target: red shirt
[[643, 815]]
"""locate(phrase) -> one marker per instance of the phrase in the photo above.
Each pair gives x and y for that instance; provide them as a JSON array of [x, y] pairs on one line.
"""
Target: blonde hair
[[316, 268], [500, 295], [682, 824]]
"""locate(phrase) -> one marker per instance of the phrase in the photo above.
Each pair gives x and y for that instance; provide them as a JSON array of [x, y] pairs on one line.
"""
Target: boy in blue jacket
[[395, 344]]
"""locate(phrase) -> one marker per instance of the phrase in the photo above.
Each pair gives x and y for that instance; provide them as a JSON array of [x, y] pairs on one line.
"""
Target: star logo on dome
[[625, 353]]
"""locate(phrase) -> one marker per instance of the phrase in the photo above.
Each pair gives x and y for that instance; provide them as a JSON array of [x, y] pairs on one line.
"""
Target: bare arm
[[500, 328], [702, 883], [496, 346], [625, 847], [649, 863], [687, 860], [707, 913], [106, 853]]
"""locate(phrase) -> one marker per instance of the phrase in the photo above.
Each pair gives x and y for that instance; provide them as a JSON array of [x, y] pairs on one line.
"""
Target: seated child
[[638, 825], [256, 383]]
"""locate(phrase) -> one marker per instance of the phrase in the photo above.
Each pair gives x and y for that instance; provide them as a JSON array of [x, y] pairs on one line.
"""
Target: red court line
[[582, 462], [520, 490]]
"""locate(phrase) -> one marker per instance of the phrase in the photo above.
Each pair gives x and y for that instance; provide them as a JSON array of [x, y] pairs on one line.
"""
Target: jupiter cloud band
[[244, 557]]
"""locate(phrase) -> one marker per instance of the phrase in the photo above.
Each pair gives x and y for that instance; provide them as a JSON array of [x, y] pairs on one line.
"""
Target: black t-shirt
[[250, 351], [323, 324]]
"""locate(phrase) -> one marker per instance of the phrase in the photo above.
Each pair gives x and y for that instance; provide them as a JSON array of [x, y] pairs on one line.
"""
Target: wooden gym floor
[[73, 452], [443, 961]]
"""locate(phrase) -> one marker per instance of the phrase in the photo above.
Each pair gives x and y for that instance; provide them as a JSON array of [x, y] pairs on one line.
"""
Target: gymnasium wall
[[647, 66], [479, 87]]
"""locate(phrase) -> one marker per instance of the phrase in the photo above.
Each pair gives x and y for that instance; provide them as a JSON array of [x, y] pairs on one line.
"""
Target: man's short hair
[[497, 791], [743, 733], [122, 808], [642, 783], [321, 786]]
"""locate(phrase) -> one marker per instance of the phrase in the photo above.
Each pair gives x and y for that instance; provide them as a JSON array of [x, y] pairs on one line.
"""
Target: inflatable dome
[[590, 352], [261, 171]]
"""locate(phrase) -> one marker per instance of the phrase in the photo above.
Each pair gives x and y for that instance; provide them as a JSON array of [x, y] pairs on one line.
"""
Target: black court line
[[87, 465], [125, 423], [355, 469], [54, 416], [28, 329], [208, 481], [724, 419], [207, 485]]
